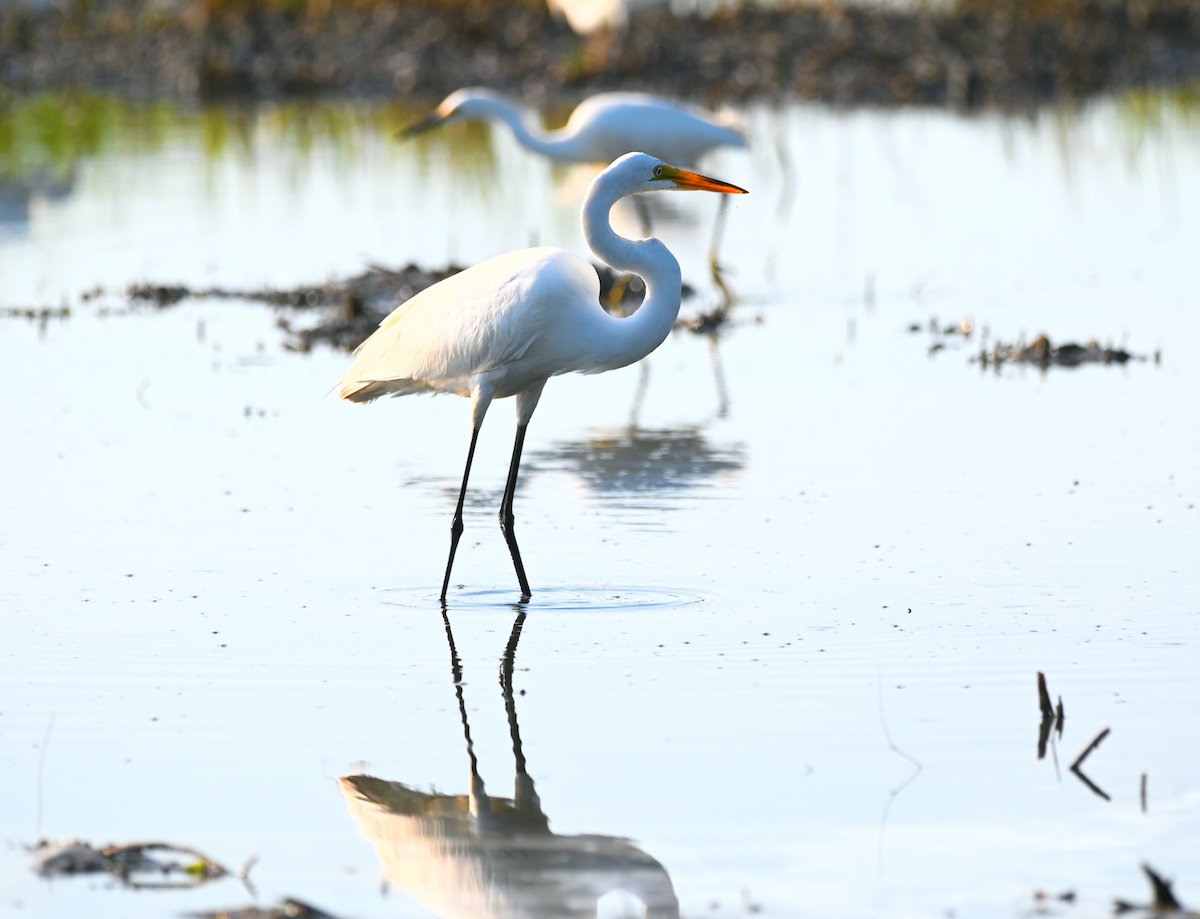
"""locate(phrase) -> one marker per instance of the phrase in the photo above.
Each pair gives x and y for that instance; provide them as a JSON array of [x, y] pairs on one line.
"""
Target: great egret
[[505, 326], [602, 127]]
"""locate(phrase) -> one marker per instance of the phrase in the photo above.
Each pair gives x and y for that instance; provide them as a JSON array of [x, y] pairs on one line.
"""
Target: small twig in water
[[903, 785], [243, 874], [37, 836], [1079, 761], [1044, 696], [1096, 741], [1164, 897]]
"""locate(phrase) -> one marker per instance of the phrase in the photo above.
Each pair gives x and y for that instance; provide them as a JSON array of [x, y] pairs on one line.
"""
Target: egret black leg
[[506, 512], [456, 526], [713, 260]]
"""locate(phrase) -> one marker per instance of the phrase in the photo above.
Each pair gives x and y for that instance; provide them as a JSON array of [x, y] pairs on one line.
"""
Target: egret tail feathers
[[370, 390]]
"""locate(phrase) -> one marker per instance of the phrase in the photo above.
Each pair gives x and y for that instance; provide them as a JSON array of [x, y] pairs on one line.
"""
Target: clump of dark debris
[[1040, 352], [1165, 902], [141, 866], [39, 314], [354, 307], [288, 909], [364, 301], [42, 314]]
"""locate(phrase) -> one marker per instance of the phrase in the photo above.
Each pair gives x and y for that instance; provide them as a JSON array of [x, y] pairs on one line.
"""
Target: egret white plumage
[[505, 326], [602, 127]]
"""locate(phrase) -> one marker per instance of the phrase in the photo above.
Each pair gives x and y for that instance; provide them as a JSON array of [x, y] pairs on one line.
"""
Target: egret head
[[641, 172], [471, 104]]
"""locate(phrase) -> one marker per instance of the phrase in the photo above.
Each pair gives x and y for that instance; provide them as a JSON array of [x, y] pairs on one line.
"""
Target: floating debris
[[357, 305], [361, 302], [1052, 718], [1042, 353], [42, 314], [1077, 766], [1045, 903], [1165, 902], [160, 295], [287, 909], [951, 335], [141, 866], [715, 321]]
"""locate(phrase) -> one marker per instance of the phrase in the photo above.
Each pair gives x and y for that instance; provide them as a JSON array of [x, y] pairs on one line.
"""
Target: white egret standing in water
[[505, 326], [602, 127]]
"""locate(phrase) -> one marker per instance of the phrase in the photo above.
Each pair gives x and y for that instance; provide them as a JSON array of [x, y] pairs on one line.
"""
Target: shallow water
[[770, 575]]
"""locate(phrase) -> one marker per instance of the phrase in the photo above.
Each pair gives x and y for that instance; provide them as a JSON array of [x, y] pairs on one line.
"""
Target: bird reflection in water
[[627, 463], [633, 461], [476, 856]]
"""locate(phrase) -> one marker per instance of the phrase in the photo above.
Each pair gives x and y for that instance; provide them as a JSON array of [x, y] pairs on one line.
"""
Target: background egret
[[505, 326], [601, 128]]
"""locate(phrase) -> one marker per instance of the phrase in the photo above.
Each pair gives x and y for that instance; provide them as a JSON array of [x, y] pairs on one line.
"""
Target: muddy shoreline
[[843, 55]]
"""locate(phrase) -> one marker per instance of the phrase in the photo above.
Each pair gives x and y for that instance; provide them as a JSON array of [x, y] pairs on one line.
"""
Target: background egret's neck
[[555, 144]]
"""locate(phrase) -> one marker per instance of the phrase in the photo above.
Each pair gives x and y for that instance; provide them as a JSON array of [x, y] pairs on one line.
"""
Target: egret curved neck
[[556, 144], [635, 337]]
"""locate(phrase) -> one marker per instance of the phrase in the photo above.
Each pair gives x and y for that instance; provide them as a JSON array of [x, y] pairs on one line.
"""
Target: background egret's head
[[471, 104]]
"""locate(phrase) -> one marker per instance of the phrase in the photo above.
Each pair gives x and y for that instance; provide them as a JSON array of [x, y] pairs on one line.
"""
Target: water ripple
[[560, 599]]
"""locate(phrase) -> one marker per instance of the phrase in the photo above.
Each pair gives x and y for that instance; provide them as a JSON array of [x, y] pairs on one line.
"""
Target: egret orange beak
[[694, 182]]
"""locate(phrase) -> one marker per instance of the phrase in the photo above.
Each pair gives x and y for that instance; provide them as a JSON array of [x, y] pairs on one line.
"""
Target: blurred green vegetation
[[47, 136], [1150, 111]]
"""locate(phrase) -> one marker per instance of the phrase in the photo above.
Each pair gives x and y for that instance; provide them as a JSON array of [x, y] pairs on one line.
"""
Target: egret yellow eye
[[658, 171]]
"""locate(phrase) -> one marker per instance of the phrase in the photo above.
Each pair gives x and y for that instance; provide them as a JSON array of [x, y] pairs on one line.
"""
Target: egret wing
[[477, 321]]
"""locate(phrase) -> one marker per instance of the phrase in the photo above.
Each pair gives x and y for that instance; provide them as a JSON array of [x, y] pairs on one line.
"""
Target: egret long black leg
[[714, 251], [506, 512], [456, 526]]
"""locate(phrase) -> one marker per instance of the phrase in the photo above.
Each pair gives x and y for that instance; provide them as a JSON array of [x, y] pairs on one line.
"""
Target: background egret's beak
[[691, 180], [432, 120]]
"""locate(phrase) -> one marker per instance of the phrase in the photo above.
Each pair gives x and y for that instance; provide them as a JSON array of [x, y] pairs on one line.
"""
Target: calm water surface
[[772, 574]]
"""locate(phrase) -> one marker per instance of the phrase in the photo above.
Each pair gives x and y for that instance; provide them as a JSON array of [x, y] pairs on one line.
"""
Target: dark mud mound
[[288, 909], [1041, 353], [1010, 53], [140, 866], [364, 301], [352, 308]]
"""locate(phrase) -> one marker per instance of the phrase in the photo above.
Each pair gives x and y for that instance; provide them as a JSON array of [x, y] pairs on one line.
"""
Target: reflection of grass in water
[[51, 134], [346, 130], [1146, 114], [466, 148], [47, 135]]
